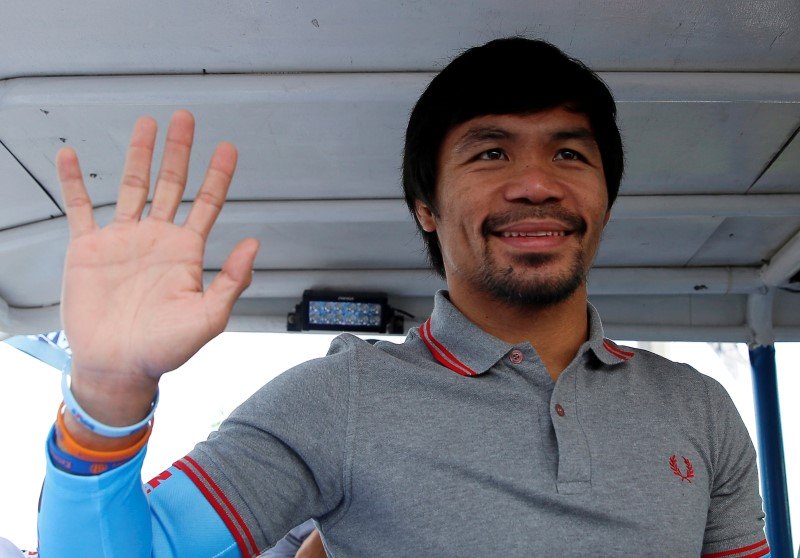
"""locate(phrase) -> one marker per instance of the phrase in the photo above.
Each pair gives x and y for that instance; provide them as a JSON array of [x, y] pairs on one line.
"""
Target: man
[[506, 425]]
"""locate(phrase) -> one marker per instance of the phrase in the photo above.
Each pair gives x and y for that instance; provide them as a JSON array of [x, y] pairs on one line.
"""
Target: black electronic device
[[327, 310]]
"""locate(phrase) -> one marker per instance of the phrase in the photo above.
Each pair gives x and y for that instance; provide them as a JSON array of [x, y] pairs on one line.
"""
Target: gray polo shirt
[[456, 443]]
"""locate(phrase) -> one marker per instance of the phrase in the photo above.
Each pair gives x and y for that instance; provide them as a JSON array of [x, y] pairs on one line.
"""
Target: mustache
[[496, 221]]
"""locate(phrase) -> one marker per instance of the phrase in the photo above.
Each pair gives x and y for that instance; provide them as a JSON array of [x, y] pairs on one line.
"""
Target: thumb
[[230, 282]]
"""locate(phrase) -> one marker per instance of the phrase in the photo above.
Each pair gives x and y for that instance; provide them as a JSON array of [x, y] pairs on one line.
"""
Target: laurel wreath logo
[[673, 464]]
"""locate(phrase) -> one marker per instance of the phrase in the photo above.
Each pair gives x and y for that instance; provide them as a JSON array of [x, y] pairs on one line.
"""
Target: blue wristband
[[75, 465], [92, 424]]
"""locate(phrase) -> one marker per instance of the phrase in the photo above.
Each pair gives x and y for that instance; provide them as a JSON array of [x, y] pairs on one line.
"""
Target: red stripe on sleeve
[[758, 554], [227, 512], [742, 549], [227, 502]]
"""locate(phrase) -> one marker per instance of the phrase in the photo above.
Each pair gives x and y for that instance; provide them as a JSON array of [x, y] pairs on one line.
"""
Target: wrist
[[68, 442], [96, 433], [115, 401]]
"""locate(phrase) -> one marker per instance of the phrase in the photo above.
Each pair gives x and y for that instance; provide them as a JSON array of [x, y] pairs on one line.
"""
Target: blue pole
[[770, 450]]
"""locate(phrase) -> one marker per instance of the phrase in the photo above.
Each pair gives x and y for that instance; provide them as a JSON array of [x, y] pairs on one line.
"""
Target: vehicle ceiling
[[316, 95]]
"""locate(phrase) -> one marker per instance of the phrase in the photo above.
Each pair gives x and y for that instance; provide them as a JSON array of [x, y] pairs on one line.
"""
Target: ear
[[425, 216], [607, 217]]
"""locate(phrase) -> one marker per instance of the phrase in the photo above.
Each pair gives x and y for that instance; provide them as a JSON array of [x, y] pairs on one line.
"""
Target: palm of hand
[[140, 282]]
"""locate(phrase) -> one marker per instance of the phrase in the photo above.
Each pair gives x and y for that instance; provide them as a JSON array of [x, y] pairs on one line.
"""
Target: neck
[[556, 331]]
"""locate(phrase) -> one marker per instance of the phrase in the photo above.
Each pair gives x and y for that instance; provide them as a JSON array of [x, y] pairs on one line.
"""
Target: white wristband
[[92, 424]]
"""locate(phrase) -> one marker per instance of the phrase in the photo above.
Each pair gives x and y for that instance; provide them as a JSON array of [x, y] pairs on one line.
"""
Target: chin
[[530, 283]]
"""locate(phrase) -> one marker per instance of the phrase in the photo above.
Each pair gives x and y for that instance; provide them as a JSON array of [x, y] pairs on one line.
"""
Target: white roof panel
[[154, 37], [783, 175], [316, 95], [299, 136], [653, 242], [746, 241], [22, 200], [711, 147]]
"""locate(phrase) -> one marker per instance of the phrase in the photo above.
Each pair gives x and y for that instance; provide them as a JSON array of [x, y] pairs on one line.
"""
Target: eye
[[569, 155], [495, 154]]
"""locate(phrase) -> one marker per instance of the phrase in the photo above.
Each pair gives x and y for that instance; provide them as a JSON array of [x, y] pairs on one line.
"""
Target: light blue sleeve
[[113, 515]]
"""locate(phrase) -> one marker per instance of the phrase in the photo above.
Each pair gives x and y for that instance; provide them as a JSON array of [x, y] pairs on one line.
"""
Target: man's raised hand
[[133, 304]]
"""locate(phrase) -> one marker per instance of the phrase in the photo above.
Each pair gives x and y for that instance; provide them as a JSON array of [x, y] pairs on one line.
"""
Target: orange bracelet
[[68, 443]]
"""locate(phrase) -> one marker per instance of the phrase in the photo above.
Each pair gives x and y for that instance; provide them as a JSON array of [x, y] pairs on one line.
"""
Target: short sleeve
[[280, 458], [735, 523]]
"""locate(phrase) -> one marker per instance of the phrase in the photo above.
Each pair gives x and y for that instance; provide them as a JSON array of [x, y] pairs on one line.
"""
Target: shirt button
[[560, 410], [516, 356]]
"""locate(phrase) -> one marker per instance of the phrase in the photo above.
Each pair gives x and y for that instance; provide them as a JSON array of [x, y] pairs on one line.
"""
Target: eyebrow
[[583, 135], [480, 134]]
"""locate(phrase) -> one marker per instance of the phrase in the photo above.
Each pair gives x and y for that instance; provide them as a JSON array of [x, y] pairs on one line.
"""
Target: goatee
[[511, 286], [521, 283]]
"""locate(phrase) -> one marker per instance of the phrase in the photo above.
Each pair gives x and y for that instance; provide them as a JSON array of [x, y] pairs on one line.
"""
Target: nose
[[535, 184]]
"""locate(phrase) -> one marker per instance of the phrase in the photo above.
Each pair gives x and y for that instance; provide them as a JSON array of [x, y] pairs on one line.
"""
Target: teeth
[[538, 233]]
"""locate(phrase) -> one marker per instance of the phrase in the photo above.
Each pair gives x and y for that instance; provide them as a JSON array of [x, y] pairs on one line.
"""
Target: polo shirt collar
[[457, 343], [466, 349], [605, 349]]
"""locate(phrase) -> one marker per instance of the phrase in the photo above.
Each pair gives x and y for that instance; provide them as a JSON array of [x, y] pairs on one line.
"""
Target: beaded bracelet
[[68, 443], [74, 465], [92, 424]]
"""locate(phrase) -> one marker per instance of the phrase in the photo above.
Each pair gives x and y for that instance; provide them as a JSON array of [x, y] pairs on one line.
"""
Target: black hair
[[505, 76]]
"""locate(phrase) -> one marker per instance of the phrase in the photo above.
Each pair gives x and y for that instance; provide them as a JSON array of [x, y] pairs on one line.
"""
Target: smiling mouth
[[514, 234], [541, 222]]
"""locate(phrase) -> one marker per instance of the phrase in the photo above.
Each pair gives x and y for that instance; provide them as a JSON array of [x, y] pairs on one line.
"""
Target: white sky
[[200, 394]]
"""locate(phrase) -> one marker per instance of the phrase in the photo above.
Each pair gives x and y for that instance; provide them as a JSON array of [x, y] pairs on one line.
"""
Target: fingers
[[78, 206], [211, 197], [230, 282], [171, 182], [174, 167], [312, 547], [135, 183]]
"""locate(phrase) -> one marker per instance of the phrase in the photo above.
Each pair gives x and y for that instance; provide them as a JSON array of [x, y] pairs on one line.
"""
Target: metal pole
[[770, 450]]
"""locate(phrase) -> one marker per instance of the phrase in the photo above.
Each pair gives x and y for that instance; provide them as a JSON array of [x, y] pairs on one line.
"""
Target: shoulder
[[317, 386], [348, 356], [685, 390], [652, 367], [677, 385], [372, 355]]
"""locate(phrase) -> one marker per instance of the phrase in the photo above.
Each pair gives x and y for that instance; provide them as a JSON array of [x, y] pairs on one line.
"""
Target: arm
[[735, 523], [271, 464], [93, 515], [140, 277]]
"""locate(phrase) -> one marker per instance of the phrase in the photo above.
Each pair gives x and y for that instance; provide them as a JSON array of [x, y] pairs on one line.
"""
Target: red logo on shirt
[[673, 464], [153, 483]]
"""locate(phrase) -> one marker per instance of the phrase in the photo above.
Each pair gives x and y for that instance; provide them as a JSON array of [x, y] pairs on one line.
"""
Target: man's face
[[522, 203]]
